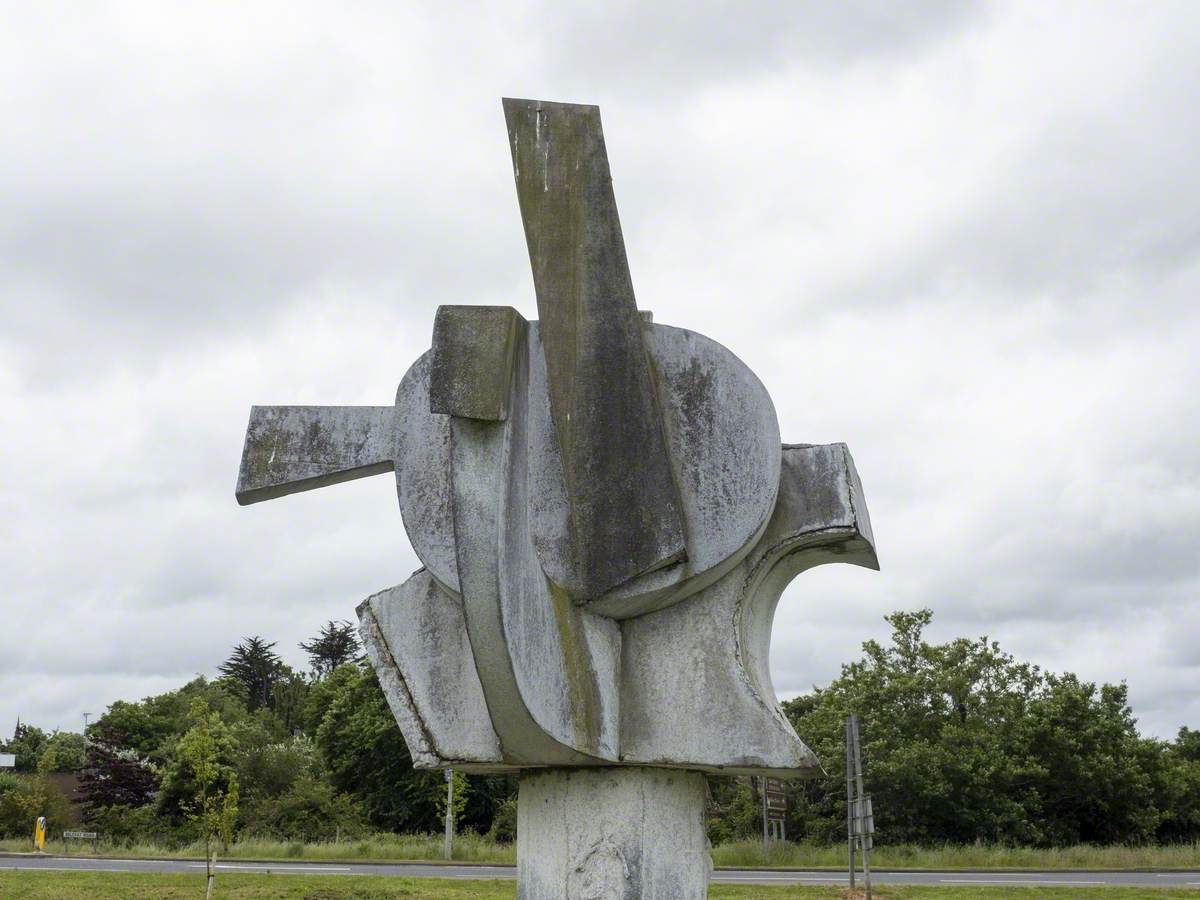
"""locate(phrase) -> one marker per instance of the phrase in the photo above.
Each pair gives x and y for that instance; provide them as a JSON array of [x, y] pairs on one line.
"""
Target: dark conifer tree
[[336, 644], [256, 667]]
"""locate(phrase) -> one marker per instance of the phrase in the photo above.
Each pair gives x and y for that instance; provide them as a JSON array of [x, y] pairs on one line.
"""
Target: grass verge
[[32, 885], [742, 854], [751, 854]]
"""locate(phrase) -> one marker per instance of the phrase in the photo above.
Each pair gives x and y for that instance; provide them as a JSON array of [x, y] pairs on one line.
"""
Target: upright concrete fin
[[626, 517], [297, 448]]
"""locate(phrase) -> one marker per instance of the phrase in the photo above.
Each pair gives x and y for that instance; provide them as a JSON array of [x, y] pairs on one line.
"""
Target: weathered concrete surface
[[624, 512], [533, 651], [298, 448], [697, 687], [473, 352], [423, 475], [612, 834], [721, 428], [416, 638]]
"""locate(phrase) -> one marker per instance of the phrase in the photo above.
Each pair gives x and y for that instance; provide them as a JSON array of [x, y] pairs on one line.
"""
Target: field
[[472, 848], [27, 885]]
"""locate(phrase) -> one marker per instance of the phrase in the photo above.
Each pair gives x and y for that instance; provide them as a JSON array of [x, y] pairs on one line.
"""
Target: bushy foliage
[[123, 825], [26, 744], [114, 775], [461, 793], [962, 743], [308, 810], [734, 812], [63, 752], [367, 756], [153, 725], [23, 798], [203, 765], [504, 823]]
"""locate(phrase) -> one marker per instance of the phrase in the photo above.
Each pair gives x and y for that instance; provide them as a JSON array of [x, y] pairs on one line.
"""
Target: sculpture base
[[612, 834]]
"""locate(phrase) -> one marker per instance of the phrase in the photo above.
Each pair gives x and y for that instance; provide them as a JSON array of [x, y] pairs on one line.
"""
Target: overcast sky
[[963, 238]]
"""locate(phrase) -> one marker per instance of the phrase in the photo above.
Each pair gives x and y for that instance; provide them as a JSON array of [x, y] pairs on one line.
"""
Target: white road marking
[[1013, 881], [263, 867], [60, 869]]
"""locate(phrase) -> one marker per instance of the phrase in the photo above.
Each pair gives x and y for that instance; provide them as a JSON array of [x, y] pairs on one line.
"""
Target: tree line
[[961, 743]]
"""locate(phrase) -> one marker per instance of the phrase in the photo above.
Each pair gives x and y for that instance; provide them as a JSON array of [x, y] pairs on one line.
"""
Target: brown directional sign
[[776, 799]]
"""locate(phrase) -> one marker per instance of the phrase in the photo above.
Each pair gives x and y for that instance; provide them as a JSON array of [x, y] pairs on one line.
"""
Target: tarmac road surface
[[743, 876]]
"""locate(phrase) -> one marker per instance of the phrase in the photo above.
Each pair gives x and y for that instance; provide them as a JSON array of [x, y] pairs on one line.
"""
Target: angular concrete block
[[416, 639], [471, 366], [697, 685], [298, 448]]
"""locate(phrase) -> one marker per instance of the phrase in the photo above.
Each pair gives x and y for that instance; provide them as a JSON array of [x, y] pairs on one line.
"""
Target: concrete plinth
[[612, 834]]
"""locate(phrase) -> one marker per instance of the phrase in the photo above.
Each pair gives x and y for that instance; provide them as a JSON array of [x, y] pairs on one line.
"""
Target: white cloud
[[963, 243]]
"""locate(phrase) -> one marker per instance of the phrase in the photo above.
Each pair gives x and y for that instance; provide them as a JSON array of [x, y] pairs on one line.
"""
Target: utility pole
[[850, 800], [449, 814], [86, 716]]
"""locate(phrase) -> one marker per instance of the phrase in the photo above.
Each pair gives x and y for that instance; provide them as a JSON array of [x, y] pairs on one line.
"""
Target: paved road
[[747, 876]]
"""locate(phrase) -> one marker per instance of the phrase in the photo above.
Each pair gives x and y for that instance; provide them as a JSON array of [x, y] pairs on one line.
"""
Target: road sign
[[8, 760], [69, 836], [862, 821], [776, 805]]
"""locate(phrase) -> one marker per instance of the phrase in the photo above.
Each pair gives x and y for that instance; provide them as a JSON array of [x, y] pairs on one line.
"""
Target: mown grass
[[390, 847], [32, 885], [742, 854], [783, 854]]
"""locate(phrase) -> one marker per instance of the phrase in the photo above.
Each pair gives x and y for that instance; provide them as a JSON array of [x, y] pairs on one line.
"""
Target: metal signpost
[[860, 818], [449, 814]]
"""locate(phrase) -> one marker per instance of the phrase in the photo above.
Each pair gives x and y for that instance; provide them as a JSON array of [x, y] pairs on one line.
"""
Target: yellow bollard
[[39, 833]]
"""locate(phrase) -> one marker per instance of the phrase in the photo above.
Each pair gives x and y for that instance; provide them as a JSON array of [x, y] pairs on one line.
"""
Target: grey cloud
[[679, 46], [962, 241]]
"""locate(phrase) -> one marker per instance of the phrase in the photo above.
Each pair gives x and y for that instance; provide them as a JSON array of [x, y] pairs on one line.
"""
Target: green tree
[[214, 805], [65, 751], [336, 644], [26, 744], [25, 797], [113, 775], [203, 761], [1087, 765], [255, 666], [963, 743], [1187, 744], [151, 727], [462, 792], [368, 759], [1177, 786], [309, 809]]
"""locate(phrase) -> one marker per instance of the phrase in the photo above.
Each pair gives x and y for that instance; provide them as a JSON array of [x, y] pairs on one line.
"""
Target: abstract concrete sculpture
[[606, 519]]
